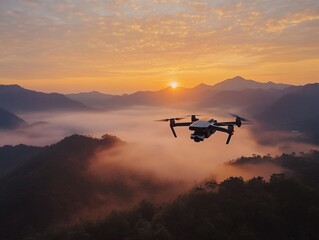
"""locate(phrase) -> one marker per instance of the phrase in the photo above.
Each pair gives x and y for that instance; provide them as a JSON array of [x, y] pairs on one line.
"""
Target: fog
[[151, 146]]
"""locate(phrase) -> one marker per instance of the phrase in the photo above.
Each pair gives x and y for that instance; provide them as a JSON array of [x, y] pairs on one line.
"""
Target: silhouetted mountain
[[251, 101], [17, 99], [42, 187], [164, 97], [92, 99], [49, 186], [304, 166], [226, 93], [239, 83], [286, 207], [296, 111], [13, 156], [201, 95], [9, 121]]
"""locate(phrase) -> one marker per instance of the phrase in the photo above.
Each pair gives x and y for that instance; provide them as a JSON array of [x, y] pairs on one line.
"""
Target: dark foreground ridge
[[78, 177], [286, 207], [41, 186]]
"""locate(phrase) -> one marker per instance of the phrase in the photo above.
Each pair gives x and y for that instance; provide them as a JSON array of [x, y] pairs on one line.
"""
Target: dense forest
[[285, 207]]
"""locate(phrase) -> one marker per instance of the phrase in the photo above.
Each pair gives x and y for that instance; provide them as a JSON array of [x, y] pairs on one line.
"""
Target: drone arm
[[174, 124], [229, 131], [220, 129], [224, 123], [182, 124]]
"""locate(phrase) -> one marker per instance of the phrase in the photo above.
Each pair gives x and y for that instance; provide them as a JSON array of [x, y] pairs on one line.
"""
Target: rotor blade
[[168, 119], [162, 120], [241, 118], [228, 139], [197, 115], [173, 131]]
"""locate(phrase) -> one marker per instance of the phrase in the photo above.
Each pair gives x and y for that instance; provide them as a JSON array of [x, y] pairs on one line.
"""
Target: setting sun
[[174, 85]]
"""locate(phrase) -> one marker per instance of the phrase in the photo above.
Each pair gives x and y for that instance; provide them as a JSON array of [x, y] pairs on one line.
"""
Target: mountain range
[[295, 111], [92, 99], [286, 107], [9, 120], [16, 99], [202, 95]]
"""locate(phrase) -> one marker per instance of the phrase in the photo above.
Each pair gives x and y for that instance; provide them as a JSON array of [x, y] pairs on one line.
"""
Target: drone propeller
[[169, 119], [197, 115], [241, 118], [194, 117]]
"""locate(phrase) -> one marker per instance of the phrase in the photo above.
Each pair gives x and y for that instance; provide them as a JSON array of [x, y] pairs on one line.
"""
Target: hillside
[[9, 121], [239, 83], [165, 97], [202, 95], [248, 101], [12, 156], [285, 207], [50, 186], [92, 99], [17, 99], [43, 187], [297, 111]]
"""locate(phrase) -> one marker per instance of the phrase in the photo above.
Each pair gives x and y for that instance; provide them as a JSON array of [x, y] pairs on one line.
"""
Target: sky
[[118, 46]]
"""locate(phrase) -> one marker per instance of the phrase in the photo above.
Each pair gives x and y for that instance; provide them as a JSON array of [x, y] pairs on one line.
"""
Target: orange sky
[[120, 46]]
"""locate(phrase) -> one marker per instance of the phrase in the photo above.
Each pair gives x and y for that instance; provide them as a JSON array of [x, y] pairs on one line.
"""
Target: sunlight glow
[[174, 85]]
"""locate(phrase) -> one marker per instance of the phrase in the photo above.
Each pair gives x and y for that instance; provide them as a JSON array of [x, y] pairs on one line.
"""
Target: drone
[[204, 129]]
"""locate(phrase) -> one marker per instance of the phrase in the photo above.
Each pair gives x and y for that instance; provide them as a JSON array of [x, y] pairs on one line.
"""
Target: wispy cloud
[[90, 38]]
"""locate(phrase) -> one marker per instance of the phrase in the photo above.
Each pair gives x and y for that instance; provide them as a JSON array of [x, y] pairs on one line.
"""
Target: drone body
[[204, 129]]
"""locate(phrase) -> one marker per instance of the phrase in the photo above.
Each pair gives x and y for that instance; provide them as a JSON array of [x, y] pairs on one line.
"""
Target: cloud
[[90, 38]]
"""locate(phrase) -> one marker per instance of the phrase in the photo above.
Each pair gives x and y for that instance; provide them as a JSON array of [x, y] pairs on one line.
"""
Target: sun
[[174, 85]]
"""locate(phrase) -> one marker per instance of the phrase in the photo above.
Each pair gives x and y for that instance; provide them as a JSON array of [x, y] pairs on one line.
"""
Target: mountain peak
[[239, 83], [237, 78], [202, 86], [10, 88]]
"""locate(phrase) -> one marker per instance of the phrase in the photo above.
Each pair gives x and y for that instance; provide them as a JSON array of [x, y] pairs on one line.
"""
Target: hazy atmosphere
[[159, 119], [151, 145]]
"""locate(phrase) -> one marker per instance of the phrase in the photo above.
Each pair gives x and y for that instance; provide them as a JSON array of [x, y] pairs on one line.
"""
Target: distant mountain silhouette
[[239, 83], [92, 99], [9, 121], [196, 96], [296, 111], [164, 97], [17, 99], [251, 101]]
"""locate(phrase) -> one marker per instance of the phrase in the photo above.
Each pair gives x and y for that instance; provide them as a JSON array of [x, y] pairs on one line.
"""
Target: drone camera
[[197, 138]]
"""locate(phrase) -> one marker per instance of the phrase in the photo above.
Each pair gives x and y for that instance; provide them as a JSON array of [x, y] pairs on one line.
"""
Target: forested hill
[[286, 207], [44, 186], [78, 177]]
